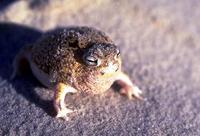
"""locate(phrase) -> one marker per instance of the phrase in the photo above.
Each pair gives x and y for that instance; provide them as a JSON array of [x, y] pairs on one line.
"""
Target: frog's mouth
[[110, 69]]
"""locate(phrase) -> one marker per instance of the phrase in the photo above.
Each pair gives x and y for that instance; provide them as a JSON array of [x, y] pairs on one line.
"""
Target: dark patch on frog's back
[[83, 35], [64, 47]]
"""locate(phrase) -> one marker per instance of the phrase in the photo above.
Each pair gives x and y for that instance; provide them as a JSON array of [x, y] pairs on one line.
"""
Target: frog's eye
[[92, 61]]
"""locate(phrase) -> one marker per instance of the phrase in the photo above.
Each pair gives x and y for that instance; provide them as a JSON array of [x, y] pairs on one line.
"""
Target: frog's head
[[103, 57]]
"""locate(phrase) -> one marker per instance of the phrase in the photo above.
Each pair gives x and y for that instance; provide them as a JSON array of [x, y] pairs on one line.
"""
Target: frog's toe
[[130, 90], [62, 113], [136, 92]]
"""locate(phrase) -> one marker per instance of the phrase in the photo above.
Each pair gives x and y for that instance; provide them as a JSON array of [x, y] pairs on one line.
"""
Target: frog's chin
[[110, 69]]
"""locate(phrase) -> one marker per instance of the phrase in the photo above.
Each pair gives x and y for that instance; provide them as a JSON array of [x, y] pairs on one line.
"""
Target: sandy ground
[[159, 41]]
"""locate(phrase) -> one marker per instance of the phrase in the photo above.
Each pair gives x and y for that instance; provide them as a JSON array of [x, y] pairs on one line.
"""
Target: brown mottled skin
[[63, 55]]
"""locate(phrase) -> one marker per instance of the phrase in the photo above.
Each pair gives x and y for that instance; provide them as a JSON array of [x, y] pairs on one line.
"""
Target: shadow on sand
[[12, 38]]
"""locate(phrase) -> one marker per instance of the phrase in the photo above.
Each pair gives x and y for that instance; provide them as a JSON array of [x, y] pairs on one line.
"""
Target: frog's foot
[[130, 90], [127, 87], [62, 113], [59, 100]]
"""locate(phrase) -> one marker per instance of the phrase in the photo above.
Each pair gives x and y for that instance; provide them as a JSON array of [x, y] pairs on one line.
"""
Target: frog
[[75, 59]]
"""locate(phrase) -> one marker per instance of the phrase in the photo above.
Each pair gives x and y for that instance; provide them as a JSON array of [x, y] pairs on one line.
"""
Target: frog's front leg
[[59, 99], [127, 87]]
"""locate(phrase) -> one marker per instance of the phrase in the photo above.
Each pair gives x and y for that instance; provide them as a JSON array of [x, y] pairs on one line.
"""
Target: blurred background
[[159, 42]]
